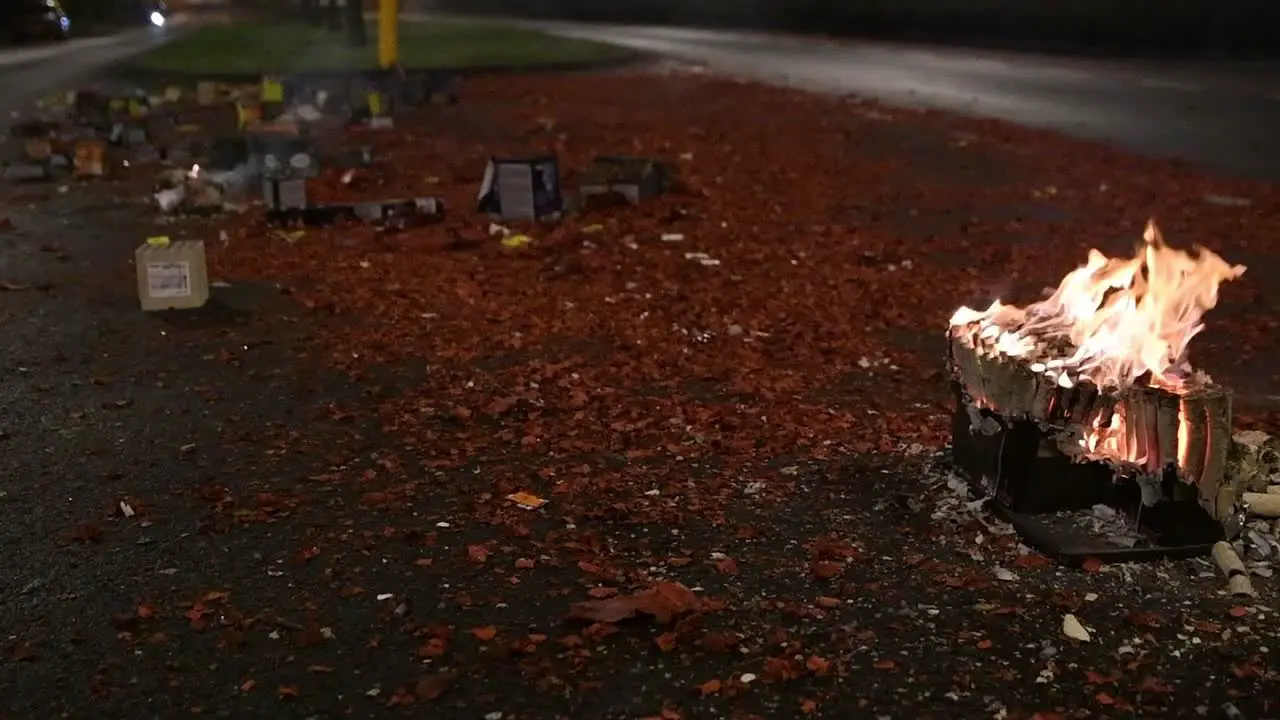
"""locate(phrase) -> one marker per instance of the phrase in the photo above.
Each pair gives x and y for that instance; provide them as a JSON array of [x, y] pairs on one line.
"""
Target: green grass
[[286, 47]]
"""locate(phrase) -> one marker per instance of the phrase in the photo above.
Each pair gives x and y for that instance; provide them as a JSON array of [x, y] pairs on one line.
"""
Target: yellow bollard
[[388, 33]]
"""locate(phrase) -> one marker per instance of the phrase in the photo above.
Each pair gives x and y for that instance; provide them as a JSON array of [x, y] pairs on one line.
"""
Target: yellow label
[[272, 90], [158, 241], [137, 109], [375, 104]]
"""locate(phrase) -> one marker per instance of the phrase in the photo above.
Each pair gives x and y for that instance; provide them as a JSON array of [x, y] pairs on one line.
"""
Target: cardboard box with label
[[171, 275]]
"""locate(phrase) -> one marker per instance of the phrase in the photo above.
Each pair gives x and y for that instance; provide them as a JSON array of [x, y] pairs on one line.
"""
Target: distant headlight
[[157, 19]]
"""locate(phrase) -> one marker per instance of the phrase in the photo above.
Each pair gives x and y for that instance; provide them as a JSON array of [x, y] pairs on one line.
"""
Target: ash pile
[[1082, 419]]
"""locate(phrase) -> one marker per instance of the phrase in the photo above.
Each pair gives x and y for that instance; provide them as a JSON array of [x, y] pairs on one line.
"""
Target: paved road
[[1221, 115], [29, 72]]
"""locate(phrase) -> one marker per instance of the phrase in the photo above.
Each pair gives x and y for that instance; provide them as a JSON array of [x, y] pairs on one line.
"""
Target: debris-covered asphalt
[[295, 503]]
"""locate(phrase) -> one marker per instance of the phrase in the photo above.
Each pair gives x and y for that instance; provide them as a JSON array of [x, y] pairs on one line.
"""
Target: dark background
[[1168, 28], [100, 15], [1150, 28]]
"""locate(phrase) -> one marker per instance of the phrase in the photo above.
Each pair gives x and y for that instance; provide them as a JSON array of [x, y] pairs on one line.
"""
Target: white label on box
[[515, 192], [168, 279]]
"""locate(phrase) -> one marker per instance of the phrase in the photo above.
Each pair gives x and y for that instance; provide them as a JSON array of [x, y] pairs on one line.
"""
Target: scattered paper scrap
[[1072, 628]]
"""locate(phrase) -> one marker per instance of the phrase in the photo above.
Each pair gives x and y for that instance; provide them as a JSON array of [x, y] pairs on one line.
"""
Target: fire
[[1114, 321]]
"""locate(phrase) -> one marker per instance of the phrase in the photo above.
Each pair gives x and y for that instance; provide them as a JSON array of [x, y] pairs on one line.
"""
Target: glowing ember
[[1113, 321]]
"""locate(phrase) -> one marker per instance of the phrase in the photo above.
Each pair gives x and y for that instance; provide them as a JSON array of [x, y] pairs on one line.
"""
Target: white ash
[[956, 505], [1100, 521]]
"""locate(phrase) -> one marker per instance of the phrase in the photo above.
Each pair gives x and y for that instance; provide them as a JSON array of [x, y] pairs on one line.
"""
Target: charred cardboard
[[521, 188], [634, 178], [285, 194], [1012, 463]]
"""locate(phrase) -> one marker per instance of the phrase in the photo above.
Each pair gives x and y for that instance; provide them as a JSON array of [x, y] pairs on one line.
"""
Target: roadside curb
[[628, 58]]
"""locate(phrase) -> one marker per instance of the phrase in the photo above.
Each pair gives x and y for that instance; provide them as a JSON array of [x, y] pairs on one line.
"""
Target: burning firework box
[[1054, 414], [171, 275], [521, 189]]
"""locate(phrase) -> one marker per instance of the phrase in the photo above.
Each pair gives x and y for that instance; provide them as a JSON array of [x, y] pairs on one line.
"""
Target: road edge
[[629, 58]]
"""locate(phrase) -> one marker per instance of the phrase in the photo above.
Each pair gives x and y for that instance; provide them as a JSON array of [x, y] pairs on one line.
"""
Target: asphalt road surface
[[27, 73], [1221, 115]]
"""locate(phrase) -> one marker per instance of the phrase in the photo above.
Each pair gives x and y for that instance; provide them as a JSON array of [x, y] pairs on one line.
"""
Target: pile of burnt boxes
[[284, 162], [78, 143], [530, 188], [45, 149], [282, 149], [34, 151], [632, 180], [39, 150], [356, 98]]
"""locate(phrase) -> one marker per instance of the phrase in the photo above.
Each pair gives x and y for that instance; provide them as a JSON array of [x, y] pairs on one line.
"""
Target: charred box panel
[[1018, 465]]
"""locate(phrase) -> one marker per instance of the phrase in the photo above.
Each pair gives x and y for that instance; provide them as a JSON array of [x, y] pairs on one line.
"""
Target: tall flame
[[1122, 318]]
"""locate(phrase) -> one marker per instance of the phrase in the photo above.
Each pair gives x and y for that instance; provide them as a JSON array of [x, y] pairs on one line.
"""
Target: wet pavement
[[1218, 114], [26, 73]]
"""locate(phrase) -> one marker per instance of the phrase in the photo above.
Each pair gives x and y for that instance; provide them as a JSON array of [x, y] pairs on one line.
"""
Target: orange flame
[[1122, 318]]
